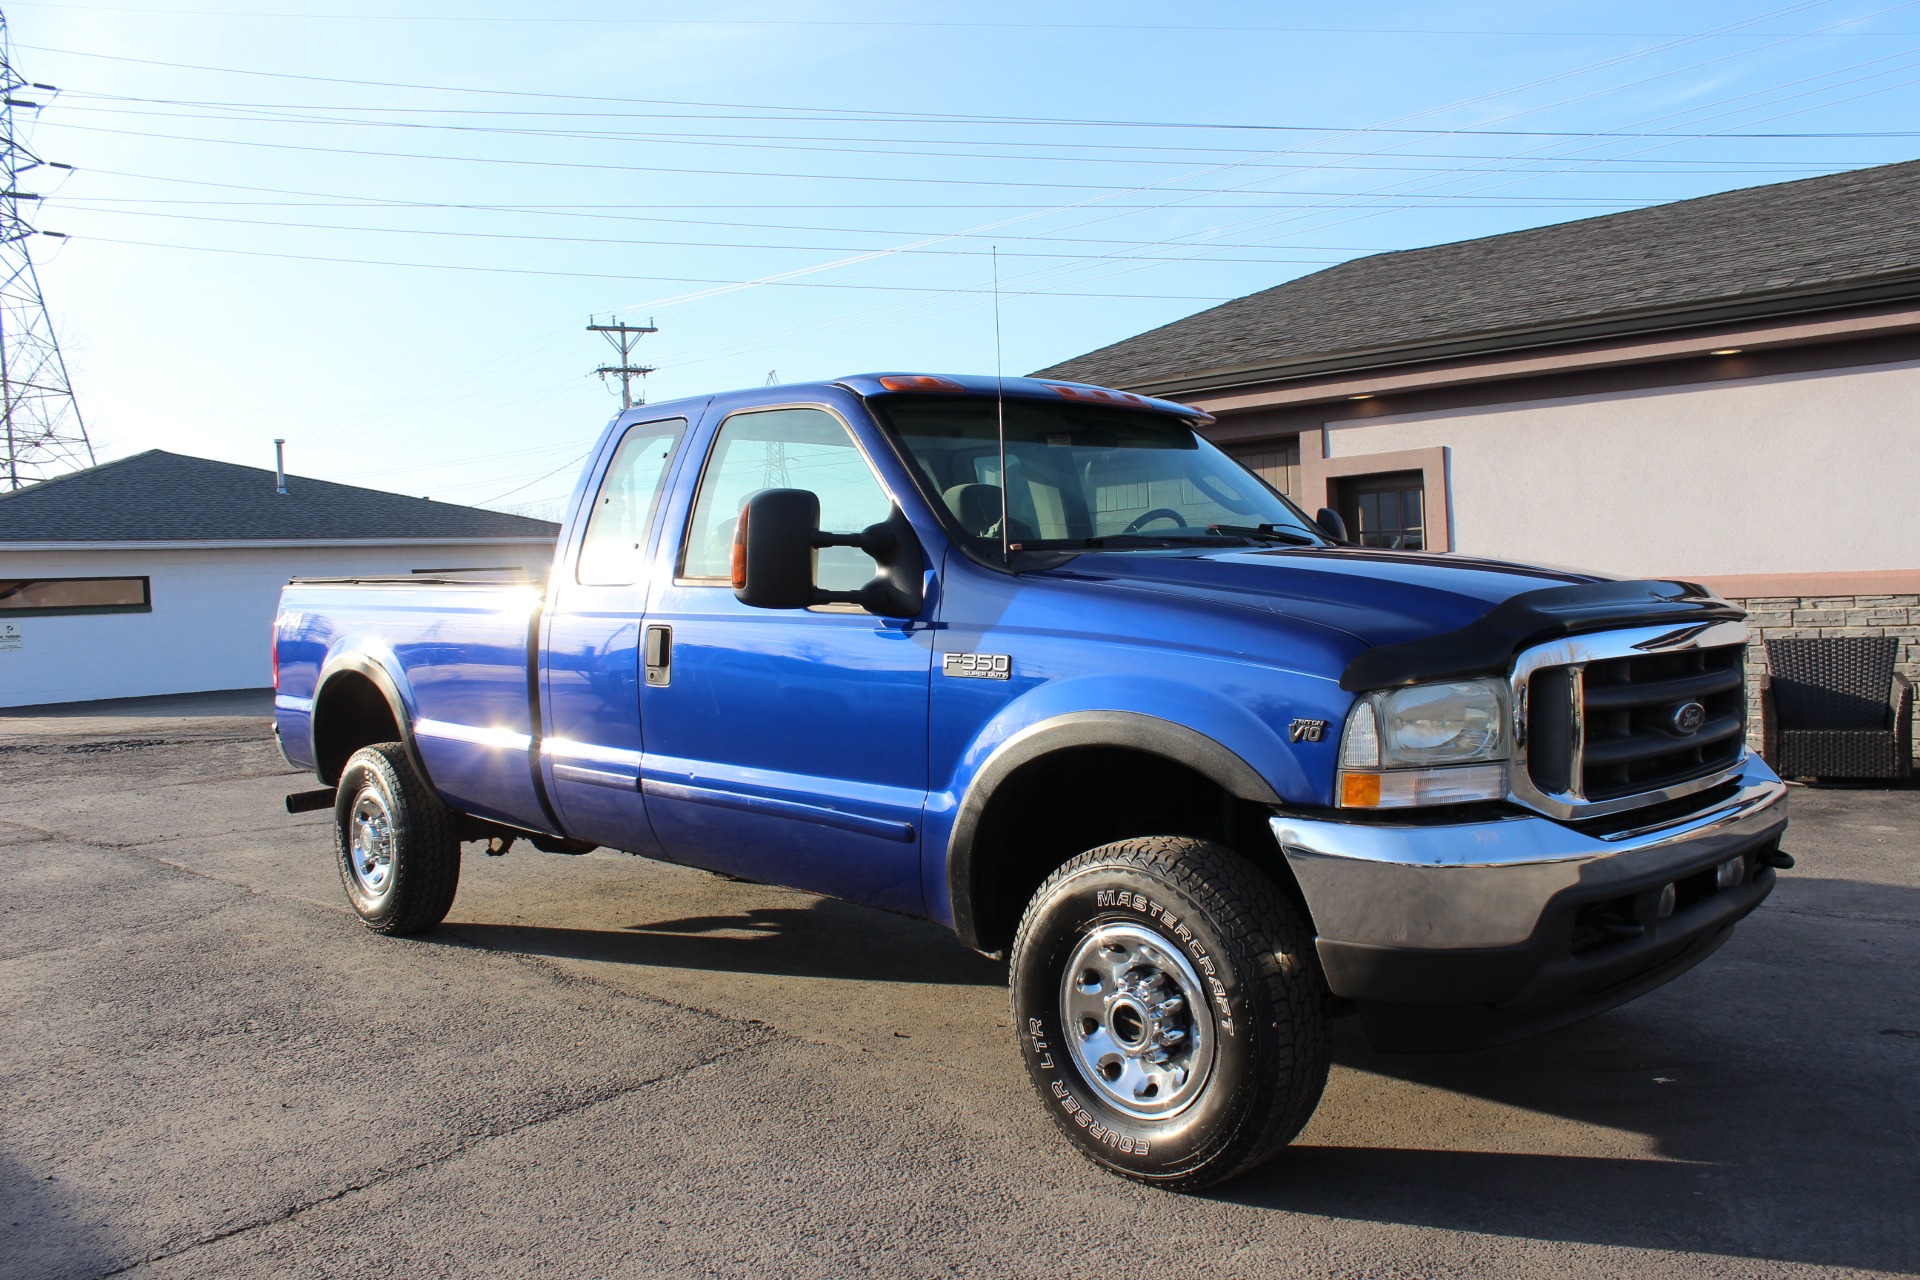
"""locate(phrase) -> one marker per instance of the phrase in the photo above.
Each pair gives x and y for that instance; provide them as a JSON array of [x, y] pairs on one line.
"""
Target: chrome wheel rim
[[370, 843], [1136, 1021]]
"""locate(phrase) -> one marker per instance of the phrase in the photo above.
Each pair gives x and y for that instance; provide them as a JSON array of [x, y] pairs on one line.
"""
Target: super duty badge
[[977, 666]]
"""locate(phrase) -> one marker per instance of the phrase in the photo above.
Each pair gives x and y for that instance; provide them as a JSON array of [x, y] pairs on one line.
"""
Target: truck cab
[[1036, 661]]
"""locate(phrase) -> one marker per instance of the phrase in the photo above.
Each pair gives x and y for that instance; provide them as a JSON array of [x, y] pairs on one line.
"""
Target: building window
[[1276, 461], [1387, 510], [38, 597]]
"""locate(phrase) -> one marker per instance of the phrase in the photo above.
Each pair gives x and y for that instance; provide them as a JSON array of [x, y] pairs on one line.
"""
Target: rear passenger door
[[594, 642], [788, 746]]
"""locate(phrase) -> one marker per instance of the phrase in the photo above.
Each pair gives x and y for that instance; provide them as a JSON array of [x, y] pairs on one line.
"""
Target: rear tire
[[1171, 1010], [397, 845]]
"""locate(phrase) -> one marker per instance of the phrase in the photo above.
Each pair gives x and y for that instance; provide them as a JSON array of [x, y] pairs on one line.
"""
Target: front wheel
[[1171, 1010], [398, 847]]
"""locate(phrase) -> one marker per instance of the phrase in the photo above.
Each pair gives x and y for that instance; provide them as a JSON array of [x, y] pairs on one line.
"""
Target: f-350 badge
[[977, 666]]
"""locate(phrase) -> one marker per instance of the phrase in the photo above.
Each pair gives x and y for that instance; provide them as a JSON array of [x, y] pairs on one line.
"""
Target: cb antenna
[[1000, 414]]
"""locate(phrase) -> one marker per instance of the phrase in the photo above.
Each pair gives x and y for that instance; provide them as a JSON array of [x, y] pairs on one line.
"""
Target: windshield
[[1087, 477]]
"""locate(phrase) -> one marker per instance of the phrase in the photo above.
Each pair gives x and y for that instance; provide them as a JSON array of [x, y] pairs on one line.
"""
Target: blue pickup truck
[[1036, 661]]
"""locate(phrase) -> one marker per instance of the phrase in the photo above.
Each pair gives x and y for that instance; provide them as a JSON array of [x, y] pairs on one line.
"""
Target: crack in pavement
[[130, 846], [468, 1143], [134, 849], [1860, 916], [551, 969], [54, 746]]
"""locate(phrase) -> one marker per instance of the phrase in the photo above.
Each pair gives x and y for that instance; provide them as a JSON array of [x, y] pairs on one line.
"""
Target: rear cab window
[[613, 548]]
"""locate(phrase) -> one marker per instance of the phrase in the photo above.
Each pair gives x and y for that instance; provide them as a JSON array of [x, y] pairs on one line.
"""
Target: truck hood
[[1416, 616], [1378, 597]]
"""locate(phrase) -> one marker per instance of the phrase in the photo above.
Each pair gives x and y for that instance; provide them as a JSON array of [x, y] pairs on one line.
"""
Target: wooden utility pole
[[623, 337]]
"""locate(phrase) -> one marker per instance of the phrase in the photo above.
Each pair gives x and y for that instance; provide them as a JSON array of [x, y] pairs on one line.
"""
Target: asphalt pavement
[[607, 1066]]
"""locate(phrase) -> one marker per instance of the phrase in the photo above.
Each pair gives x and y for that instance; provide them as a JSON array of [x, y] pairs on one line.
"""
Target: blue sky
[[378, 230]]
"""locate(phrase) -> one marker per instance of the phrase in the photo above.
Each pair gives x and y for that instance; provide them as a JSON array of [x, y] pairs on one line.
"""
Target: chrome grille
[[1630, 743], [1614, 721]]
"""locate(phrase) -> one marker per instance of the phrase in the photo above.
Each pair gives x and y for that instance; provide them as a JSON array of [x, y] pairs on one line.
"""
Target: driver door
[[787, 746]]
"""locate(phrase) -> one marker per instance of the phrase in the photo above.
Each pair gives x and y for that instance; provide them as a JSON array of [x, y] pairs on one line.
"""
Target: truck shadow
[[45, 1230], [1762, 1106], [825, 939]]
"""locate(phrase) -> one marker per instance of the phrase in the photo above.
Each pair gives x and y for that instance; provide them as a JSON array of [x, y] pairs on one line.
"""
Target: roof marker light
[[921, 382], [1098, 395], [1727, 351]]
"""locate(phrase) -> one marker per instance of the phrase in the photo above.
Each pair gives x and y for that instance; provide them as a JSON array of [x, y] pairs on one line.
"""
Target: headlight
[[1442, 743]]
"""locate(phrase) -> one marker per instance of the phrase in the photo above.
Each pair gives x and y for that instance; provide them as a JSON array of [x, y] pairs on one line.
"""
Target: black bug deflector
[[1486, 646]]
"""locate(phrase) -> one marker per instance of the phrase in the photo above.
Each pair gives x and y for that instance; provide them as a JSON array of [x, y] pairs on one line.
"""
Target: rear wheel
[[1171, 1010], [397, 844]]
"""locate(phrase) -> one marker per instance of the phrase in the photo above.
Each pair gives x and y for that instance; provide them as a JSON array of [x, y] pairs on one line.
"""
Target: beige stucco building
[[1725, 390]]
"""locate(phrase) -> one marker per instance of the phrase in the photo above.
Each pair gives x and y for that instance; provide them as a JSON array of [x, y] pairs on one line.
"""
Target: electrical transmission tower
[[44, 433], [623, 337]]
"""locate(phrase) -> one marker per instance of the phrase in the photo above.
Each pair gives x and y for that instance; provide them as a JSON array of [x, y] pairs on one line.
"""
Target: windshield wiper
[[1267, 533], [1214, 536]]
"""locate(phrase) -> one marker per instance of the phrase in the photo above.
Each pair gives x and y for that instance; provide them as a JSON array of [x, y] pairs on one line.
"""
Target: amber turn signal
[[1360, 790], [740, 552]]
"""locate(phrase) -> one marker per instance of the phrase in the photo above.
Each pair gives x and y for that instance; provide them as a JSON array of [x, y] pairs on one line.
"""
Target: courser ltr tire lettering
[[396, 844], [1173, 913]]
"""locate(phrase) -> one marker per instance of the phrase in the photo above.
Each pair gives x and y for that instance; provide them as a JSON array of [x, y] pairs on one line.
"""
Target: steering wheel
[[1158, 513]]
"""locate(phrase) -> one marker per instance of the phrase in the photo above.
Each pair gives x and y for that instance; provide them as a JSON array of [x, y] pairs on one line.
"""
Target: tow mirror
[[773, 557], [1331, 524]]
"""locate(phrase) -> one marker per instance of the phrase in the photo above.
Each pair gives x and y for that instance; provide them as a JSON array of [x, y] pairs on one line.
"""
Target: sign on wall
[[10, 637]]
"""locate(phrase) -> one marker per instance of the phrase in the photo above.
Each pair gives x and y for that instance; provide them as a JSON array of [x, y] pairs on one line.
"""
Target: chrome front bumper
[[1487, 884]]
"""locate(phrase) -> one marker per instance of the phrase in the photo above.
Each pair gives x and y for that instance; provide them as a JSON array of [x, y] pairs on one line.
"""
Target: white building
[[160, 573]]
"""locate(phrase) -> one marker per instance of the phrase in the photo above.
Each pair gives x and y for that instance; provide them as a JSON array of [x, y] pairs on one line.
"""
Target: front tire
[[1170, 1009], [396, 843]]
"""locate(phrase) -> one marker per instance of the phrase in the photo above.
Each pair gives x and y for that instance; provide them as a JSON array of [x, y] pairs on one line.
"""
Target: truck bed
[[460, 642]]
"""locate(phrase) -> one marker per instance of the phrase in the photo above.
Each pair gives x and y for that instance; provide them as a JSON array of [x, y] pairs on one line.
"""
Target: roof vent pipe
[[279, 465]]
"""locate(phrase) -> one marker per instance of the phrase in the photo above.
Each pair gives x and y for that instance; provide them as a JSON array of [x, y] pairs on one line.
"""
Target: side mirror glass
[[1331, 524], [773, 557]]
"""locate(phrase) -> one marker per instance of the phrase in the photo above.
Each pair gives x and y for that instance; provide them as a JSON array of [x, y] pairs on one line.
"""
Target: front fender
[[1215, 736]]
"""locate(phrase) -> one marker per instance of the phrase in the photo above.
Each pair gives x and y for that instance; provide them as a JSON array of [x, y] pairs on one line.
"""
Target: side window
[[785, 449], [612, 548]]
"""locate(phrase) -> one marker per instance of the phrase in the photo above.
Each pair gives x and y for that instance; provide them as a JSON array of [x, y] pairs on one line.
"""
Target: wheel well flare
[[1029, 826], [350, 712]]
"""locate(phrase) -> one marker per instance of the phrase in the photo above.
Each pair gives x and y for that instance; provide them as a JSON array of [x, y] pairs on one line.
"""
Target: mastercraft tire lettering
[[1171, 1009], [396, 843]]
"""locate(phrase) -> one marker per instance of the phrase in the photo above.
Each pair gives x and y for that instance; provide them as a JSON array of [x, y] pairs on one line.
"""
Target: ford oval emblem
[[1687, 718]]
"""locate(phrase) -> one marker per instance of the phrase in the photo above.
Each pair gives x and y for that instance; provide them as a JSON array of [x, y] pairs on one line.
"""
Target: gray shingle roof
[[1758, 250], [168, 497]]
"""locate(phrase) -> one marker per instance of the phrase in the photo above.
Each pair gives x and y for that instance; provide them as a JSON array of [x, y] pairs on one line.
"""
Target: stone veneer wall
[[1791, 616]]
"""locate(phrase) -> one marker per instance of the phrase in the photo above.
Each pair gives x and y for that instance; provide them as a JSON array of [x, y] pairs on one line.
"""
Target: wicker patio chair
[[1839, 709]]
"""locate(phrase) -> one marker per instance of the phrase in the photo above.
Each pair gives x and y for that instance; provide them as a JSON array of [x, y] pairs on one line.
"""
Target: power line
[[917, 24], [875, 116], [811, 144], [603, 275], [275, 110], [883, 178], [651, 242]]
